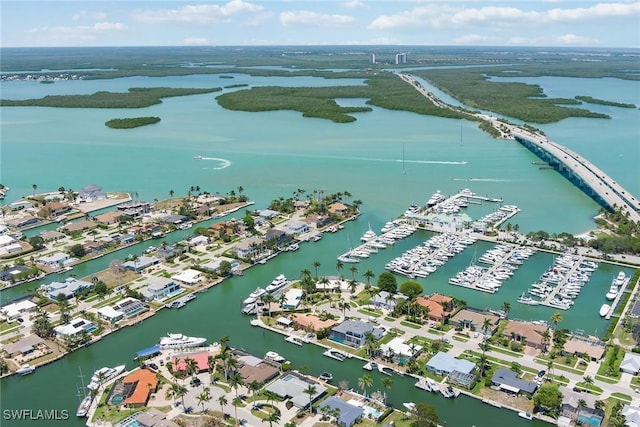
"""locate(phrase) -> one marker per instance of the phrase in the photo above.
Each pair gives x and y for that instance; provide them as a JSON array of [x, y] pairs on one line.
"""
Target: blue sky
[[569, 23]]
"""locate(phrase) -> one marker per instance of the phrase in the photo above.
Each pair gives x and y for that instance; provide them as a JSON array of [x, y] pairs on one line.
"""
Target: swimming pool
[[130, 421], [371, 412], [592, 420]]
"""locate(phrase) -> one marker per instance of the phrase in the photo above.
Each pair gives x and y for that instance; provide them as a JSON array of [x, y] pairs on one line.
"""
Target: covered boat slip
[[147, 352]]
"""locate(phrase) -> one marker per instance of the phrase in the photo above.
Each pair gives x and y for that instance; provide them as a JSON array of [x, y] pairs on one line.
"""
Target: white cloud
[[78, 35], [90, 15], [201, 14], [195, 41], [352, 4], [308, 18], [440, 16], [474, 39], [574, 40], [257, 19]]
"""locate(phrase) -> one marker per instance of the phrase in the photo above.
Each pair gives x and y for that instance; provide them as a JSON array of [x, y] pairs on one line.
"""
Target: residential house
[[74, 328], [12, 311], [248, 248], [138, 386], [438, 306], [24, 346], [153, 417], [24, 222], [55, 260], [294, 387], [91, 193], [590, 346], [175, 219], [268, 213], [337, 208], [349, 414], [352, 332], [526, 333], [52, 235], [170, 251], [398, 348], [110, 314], [445, 364], [134, 208], [20, 205], [631, 363], [309, 322], [631, 415], [278, 236], [159, 287], [141, 263], [508, 381], [474, 320], [221, 229], [91, 247], [384, 299], [297, 227], [79, 226], [108, 218], [68, 289], [11, 274], [58, 208]]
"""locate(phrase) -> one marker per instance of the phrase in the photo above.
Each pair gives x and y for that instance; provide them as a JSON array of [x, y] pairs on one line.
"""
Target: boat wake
[[422, 162], [481, 179], [224, 163]]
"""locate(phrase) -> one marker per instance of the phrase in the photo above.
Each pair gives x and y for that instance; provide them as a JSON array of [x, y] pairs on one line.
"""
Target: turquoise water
[[592, 420], [274, 153]]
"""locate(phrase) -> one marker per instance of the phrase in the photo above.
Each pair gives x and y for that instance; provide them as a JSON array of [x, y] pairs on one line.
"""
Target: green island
[[132, 122], [591, 100], [134, 98]]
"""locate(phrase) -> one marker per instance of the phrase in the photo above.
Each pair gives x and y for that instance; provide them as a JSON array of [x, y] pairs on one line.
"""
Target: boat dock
[[547, 301], [615, 302]]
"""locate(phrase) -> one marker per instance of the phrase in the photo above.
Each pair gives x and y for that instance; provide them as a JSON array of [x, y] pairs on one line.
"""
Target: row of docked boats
[[559, 285], [617, 284], [427, 384], [423, 260], [99, 377], [336, 354], [499, 216], [249, 305], [371, 242]]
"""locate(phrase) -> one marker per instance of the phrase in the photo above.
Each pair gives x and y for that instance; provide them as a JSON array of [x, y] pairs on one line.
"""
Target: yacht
[[317, 237], [103, 375], [613, 292], [25, 370], [409, 405], [347, 259], [253, 296], [293, 247], [526, 299], [277, 283], [294, 339], [436, 198], [368, 235], [370, 366], [180, 341], [84, 406], [604, 310], [272, 355]]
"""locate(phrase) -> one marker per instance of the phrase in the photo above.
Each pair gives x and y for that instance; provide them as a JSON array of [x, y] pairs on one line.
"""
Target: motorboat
[[180, 341], [368, 235], [336, 354], [294, 339], [277, 283], [526, 299], [103, 375], [293, 247], [253, 296], [272, 355], [317, 237], [613, 292], [409, 405], [370, 366], [84, 406], [326, 376], [198, 157], [526, 415], [25, 370], [604, 310]]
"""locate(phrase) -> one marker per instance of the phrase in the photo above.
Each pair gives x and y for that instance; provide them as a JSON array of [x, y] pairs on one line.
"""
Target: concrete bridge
[[584, 174]]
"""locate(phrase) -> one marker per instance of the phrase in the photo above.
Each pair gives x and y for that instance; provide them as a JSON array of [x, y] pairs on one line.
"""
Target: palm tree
[[316, 264], [191, 366], [369, 275], [253, 386], [204, 397], [588, 380], [354, 270], [310, 390], [267, 299], [173, 391], [344, 305], [35, 187], [486, 327], [556, 318], [506, 307], [482, 361], [369, 343], [236, 381], [339, 266], [274, 417], [171, 193], [365, 382], [236, 402], [546, 336], [222, 400], [386, 383], [181, 392], [581, 405]]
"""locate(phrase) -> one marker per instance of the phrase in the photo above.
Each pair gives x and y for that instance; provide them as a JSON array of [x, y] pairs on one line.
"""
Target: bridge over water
[[584, 174]]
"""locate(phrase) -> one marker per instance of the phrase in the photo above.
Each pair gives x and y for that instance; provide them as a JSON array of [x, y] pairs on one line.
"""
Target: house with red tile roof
[[439, 306], [140, 384]]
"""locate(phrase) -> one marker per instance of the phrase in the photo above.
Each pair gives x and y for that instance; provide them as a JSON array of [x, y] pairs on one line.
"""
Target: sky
[[559, 23]]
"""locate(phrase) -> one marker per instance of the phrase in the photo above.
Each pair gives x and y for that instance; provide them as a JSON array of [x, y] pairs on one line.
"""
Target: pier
[[617, 299], [552, 296]]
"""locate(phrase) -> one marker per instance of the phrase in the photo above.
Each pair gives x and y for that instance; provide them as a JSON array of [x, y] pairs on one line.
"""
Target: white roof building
[[631, 363], [54, 259], [189, 277], [399, 348], [74, 327], [110, 314], [6, 240], [632, 415], [14, 310], [292, 298]]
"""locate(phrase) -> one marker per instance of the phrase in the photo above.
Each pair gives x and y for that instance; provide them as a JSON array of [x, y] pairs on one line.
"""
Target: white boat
[[272, 355], [180, 341], [526, 299], [103, 375], [347, 259], [293, 247], [317, 237], [336, 354], [185, 226], [326, 376], [198, 157], [370, 366], [368, 235], [409, 405], [613, 292], [604, 310], [84, 406], [25, 369], [253, 296], [277, 283], [294, 339], [526, 415]]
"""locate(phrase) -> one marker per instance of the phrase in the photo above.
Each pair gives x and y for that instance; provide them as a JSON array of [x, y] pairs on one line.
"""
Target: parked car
[[153, 366]]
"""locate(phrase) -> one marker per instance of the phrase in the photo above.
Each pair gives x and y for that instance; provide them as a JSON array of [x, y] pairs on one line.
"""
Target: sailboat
[[86, 401]]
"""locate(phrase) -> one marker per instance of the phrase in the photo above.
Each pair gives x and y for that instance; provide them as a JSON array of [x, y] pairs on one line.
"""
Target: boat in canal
[[103, 375], [604, 309], [180, 341], [25, 369], [326, 376], [84, 406], [336, 354], [273, 356], [526, 415]]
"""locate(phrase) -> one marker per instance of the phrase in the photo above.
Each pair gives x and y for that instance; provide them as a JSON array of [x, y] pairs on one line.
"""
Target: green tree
[[273, 417], [555, 319], [310, 390], [77, 250], [4, 368], [224, 269], [222, 400], [387, 282], [35, 187], [411, 289], [316, 265], [236, 402], [368, 275], [364, 382], [548, 397], [36, 243], [506, 307], [424, 415]]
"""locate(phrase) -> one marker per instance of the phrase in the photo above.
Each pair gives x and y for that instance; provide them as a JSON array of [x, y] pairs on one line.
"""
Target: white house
[[69, 288], [398, 347], [14, 310], [631, 363], [55, 260], [159, 287], [189, 277], [74, 328], [110, 314]]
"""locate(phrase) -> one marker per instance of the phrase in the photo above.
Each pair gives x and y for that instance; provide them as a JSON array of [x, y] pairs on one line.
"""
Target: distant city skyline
[[552, 23]]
